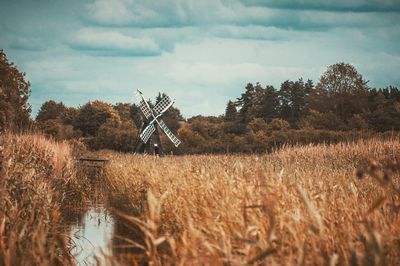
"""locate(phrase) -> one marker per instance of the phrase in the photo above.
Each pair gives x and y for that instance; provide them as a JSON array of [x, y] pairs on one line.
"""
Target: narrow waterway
[[92, 235], [98, 235]]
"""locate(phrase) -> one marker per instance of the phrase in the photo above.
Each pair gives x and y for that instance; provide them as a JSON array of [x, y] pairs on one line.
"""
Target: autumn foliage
[[341, 106]]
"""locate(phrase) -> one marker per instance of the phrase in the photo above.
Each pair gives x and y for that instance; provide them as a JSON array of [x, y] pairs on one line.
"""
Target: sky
[[200, 52]]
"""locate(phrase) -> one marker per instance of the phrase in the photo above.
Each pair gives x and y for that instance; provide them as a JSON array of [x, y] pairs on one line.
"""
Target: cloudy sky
[[200, 52]]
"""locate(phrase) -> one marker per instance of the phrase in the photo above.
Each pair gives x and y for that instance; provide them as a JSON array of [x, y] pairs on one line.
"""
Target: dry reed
[[37, 180], [316, 204], [298, 205]]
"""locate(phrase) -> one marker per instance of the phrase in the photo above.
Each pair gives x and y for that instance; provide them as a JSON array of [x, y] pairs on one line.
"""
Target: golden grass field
[[318, 204], [300, 205]]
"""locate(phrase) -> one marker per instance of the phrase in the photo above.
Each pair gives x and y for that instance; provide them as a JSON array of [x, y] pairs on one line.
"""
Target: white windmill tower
[[147, 143]]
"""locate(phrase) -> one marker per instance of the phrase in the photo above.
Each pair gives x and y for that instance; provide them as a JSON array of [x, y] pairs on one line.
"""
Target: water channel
[[96, 234], [92, 236]]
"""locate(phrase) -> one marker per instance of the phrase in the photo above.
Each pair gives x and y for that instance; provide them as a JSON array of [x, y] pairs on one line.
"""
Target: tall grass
[[298, 205], [37, 181], [317, 204]]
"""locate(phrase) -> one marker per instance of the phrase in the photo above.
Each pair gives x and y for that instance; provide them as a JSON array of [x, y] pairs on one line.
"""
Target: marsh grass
[[37, 183], [316, 204], [299, 205]]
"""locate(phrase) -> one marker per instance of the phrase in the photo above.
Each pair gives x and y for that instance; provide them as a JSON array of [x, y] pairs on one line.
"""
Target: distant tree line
[[341, 106], [100, 125]]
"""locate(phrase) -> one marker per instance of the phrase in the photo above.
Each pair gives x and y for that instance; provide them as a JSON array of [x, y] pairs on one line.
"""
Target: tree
[[209, 127], [269, 104], [230, 112], [192, 142], [255, 102], [14, 94], [278, 124], [357, 122], [56, 120], [257, 124], [390, 93], [245, 102], [135, 114], [115, 135], [257, 141], [342, 90], [293, 98], [123, 110], [69, 115], [317, 120], [383, 109], [376, 100], [230, 119], [385, 117], [50, 127], [235, 144], [50, 110], [92, 115]]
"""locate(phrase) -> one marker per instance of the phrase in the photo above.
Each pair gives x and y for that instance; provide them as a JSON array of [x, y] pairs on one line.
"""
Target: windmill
[[149, 138]]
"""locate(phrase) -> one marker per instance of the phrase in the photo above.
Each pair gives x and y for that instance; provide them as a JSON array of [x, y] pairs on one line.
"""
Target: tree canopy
[[14, 94], [340, 107], [92, 115], [50, 110]]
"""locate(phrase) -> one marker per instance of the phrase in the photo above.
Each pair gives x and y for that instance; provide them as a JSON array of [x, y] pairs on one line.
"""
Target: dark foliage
[[50, 110], [341, 107], [14, 93]]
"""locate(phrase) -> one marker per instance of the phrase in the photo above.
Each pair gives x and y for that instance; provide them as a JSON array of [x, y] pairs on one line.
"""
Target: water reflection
[[92, 236]]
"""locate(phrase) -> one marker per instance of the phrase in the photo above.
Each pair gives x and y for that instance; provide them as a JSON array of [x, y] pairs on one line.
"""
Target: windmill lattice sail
[[154, 116], [162, 105], [143, 105], [168, 132], [147, 132]]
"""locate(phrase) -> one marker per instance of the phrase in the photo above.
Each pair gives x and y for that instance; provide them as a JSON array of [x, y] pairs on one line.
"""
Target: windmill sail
[[144, 106], [147, 132], [161, 105], [168, 132]]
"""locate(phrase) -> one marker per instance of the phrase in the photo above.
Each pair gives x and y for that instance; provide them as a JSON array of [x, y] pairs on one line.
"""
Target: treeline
[[341, 106], [98, 124]]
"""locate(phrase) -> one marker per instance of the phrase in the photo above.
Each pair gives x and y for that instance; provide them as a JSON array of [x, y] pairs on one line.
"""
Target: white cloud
[[256, 33], [213, 75], [118, 12], [113, 43], [173, 13], [166, 13], [338, 5]]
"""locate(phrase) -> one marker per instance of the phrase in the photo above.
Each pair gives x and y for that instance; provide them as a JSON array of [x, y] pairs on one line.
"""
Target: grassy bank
[[299, 205], [37, 182]]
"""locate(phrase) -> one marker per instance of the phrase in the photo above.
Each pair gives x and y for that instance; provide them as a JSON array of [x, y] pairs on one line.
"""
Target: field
[[316, 204], [298, 205]]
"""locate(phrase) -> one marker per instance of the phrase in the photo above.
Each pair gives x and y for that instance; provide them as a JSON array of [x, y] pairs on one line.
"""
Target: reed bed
[[37, 181], [317, 204]]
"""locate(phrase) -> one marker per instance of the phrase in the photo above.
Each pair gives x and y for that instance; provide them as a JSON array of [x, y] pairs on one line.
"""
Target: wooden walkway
[[93, 167], [94, 160]]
